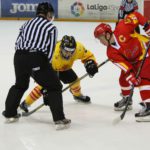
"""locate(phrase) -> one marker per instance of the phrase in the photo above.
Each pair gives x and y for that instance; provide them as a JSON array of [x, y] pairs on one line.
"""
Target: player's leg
[[68, 77], [47, 78], [144, 114], [22, 73], [125, 92], [34, 95]]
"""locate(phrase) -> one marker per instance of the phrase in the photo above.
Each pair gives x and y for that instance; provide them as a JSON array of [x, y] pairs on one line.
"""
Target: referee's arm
[[53, 40]]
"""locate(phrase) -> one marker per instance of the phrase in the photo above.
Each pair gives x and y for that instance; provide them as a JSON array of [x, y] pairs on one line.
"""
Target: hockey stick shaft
[[132, 89], [85, 75], [32, 111], [79, 79]]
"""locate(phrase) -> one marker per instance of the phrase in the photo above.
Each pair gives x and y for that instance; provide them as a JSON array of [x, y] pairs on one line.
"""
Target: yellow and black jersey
[[61, 64]]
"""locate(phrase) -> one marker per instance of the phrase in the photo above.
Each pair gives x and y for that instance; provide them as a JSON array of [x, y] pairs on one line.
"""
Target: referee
[[127, 7], [34, 50]]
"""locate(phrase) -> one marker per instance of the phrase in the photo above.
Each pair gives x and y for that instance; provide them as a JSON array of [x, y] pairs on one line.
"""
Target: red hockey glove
[[147, 28], [133, 80]]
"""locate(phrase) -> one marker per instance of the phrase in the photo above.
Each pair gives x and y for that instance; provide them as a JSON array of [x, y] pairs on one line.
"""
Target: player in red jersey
[[126, 49]]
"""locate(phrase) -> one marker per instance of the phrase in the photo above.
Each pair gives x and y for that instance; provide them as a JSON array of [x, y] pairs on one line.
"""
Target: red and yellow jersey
[[61, 64], [126, 27], [129, 47], [125, 56]]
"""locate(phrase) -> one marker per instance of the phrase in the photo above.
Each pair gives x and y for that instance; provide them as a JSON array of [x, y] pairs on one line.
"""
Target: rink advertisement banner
[[0, 8], [23, 8], [87, 9]]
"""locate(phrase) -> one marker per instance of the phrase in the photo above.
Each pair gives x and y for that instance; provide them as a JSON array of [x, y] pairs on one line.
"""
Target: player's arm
[[89, 60], [87, 55], [83, 54], [136, 19], [124, 65], [119, 60], [144, 22]]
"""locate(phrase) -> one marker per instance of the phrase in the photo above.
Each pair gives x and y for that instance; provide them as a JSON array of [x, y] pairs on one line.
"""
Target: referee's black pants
[[36, 65]]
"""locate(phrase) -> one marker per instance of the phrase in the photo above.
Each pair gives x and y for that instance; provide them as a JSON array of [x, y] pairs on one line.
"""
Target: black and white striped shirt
[[37, 35], [126, 8]]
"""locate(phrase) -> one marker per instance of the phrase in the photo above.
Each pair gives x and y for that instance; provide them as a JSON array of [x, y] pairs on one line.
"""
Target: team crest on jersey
[[127, 21], [122, 38], [131, 19]]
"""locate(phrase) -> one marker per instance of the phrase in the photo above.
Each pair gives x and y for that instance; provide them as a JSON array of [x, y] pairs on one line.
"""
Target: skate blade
[[143, 119], [62, 126], [11, 120]]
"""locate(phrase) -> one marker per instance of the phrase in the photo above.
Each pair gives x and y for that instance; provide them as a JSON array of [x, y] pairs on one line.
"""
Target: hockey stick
[[79, 79], [117, 120]]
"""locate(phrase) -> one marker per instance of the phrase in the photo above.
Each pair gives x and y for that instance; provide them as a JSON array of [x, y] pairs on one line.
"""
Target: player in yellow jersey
[[67, 51]]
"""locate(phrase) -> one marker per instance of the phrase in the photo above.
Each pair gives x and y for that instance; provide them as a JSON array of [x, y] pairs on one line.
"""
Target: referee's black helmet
[[44, 8]]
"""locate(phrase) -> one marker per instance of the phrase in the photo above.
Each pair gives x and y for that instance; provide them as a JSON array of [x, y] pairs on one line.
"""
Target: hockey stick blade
[[25, 114]]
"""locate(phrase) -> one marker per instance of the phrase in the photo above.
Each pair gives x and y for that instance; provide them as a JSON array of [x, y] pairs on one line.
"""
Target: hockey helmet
[[68, 46], [129, 1], [101, 29], [44, 8]]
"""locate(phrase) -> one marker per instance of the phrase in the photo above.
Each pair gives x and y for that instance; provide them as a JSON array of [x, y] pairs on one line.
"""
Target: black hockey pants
[[37, 65]]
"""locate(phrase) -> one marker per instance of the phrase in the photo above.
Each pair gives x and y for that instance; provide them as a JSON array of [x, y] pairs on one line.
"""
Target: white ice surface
[[92, 125]]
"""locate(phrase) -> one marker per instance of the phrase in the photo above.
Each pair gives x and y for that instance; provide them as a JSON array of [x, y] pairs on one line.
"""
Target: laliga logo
[[23, 7], [77, 9]]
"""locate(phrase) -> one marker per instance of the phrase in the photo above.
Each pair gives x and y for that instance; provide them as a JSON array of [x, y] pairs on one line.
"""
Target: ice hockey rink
[[92, 125]]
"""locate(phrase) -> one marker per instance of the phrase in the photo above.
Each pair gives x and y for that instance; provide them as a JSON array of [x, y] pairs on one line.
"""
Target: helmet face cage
[[68, 46], [44, 8]]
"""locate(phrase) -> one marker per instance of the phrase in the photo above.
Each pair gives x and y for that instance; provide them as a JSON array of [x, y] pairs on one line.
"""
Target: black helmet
[[44, 8], [68, 42], [68, 46]]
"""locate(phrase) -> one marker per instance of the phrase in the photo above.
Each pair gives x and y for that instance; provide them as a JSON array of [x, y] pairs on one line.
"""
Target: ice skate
[[11, 119], [62, 124], [82, 98], [120, 105], [24, 107], [144, 114]]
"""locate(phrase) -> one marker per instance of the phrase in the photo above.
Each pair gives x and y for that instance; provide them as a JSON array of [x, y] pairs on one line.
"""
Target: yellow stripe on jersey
[[133, 19], [122, 66], [142, 39]]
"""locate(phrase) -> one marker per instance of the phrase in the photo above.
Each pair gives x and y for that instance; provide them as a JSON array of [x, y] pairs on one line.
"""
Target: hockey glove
[[147, 28], [132, 80], [91, 67]]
